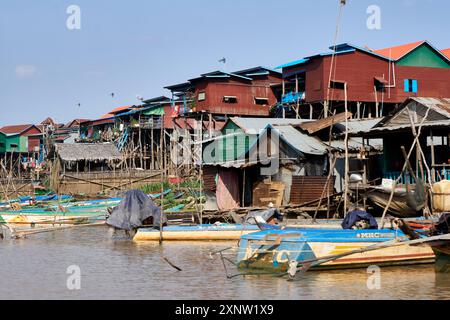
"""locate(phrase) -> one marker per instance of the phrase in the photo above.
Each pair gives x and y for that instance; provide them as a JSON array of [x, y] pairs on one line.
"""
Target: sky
[[137, 47]]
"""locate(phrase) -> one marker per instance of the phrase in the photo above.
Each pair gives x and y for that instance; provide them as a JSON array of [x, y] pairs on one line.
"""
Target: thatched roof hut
[[88, 152]]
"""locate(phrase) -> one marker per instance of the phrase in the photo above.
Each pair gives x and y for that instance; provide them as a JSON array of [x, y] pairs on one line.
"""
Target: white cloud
[[25, 71]]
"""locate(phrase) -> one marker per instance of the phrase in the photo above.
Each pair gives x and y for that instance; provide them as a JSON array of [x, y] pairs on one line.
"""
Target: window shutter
[[406, 85], [414, 86]]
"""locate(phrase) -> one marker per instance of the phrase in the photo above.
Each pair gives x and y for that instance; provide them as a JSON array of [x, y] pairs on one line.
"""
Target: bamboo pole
[[162, 185], [391, 197], [347, 166]]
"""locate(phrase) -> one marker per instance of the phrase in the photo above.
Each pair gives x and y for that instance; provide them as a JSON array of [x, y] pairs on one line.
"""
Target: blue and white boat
[[275, 250]]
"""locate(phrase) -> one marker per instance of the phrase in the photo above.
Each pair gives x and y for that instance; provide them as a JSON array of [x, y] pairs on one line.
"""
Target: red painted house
[[247, 92], [376, 81]]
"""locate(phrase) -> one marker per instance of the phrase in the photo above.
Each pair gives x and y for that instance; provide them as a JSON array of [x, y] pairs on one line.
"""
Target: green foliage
[[192, 184], [155, 187]]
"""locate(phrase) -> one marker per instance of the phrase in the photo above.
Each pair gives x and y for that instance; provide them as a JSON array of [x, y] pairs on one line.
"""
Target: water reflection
[[35, 268]]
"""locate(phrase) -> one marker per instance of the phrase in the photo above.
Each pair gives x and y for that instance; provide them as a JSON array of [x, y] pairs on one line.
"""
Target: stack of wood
[[266, 193]]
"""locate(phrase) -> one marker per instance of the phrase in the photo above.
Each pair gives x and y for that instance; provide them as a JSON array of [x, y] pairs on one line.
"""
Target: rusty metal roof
[[315, 126], [440, 124], [441, 105], [16, 129], [301, 141], [356, 125], [355, 144]]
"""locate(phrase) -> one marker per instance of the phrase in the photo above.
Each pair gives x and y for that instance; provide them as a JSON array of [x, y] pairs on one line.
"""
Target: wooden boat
[[407, 202], [37, 200], [441, 249], [214, 232], [69, 213], [275, 250], [30, 218]]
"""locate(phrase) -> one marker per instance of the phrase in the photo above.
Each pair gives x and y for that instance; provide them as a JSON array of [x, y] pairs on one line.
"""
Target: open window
[[230, 99], [380, 83], [261, 101], [337, 84], [13, 145]]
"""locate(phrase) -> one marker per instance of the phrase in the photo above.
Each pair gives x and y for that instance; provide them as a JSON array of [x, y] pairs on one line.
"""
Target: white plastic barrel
[[441, 196]]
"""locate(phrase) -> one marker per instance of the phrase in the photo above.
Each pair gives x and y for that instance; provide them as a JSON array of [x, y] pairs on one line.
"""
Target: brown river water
[[36, 268]]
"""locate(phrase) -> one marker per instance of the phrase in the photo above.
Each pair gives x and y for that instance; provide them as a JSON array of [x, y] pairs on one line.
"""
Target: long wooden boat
[[275, 250], [212, 232], [29, 202], [398, 206], [71, 213], [33, 218]]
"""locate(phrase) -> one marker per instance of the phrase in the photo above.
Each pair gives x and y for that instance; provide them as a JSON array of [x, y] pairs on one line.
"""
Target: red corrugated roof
[[446, 52], [398, 52], [107, 116], [16, 129], [76, 122], [48, 121], [120, 109]]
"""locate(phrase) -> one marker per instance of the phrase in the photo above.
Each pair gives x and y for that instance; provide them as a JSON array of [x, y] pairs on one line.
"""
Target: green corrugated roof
[[159, 111]]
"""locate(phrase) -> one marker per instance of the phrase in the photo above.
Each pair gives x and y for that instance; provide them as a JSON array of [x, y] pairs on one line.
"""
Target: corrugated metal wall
[[308, 188]]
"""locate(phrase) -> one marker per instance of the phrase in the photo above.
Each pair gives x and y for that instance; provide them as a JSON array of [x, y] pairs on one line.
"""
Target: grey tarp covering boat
[[407, 202], [133, 210]]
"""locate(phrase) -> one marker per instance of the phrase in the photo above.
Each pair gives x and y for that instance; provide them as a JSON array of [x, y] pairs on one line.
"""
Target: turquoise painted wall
[[7, 142], [231, 148], [2, 143]]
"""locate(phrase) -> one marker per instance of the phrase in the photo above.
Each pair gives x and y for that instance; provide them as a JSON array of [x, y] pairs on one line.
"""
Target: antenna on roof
[[112, 94], [79, 105], [140, 98], [343, 2]]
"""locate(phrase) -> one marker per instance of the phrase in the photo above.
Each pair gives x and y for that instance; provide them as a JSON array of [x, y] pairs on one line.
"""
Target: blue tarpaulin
[[358, 215]]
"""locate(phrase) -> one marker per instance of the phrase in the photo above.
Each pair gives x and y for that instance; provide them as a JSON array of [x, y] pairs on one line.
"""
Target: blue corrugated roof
[[293, 63], [340, 49]]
